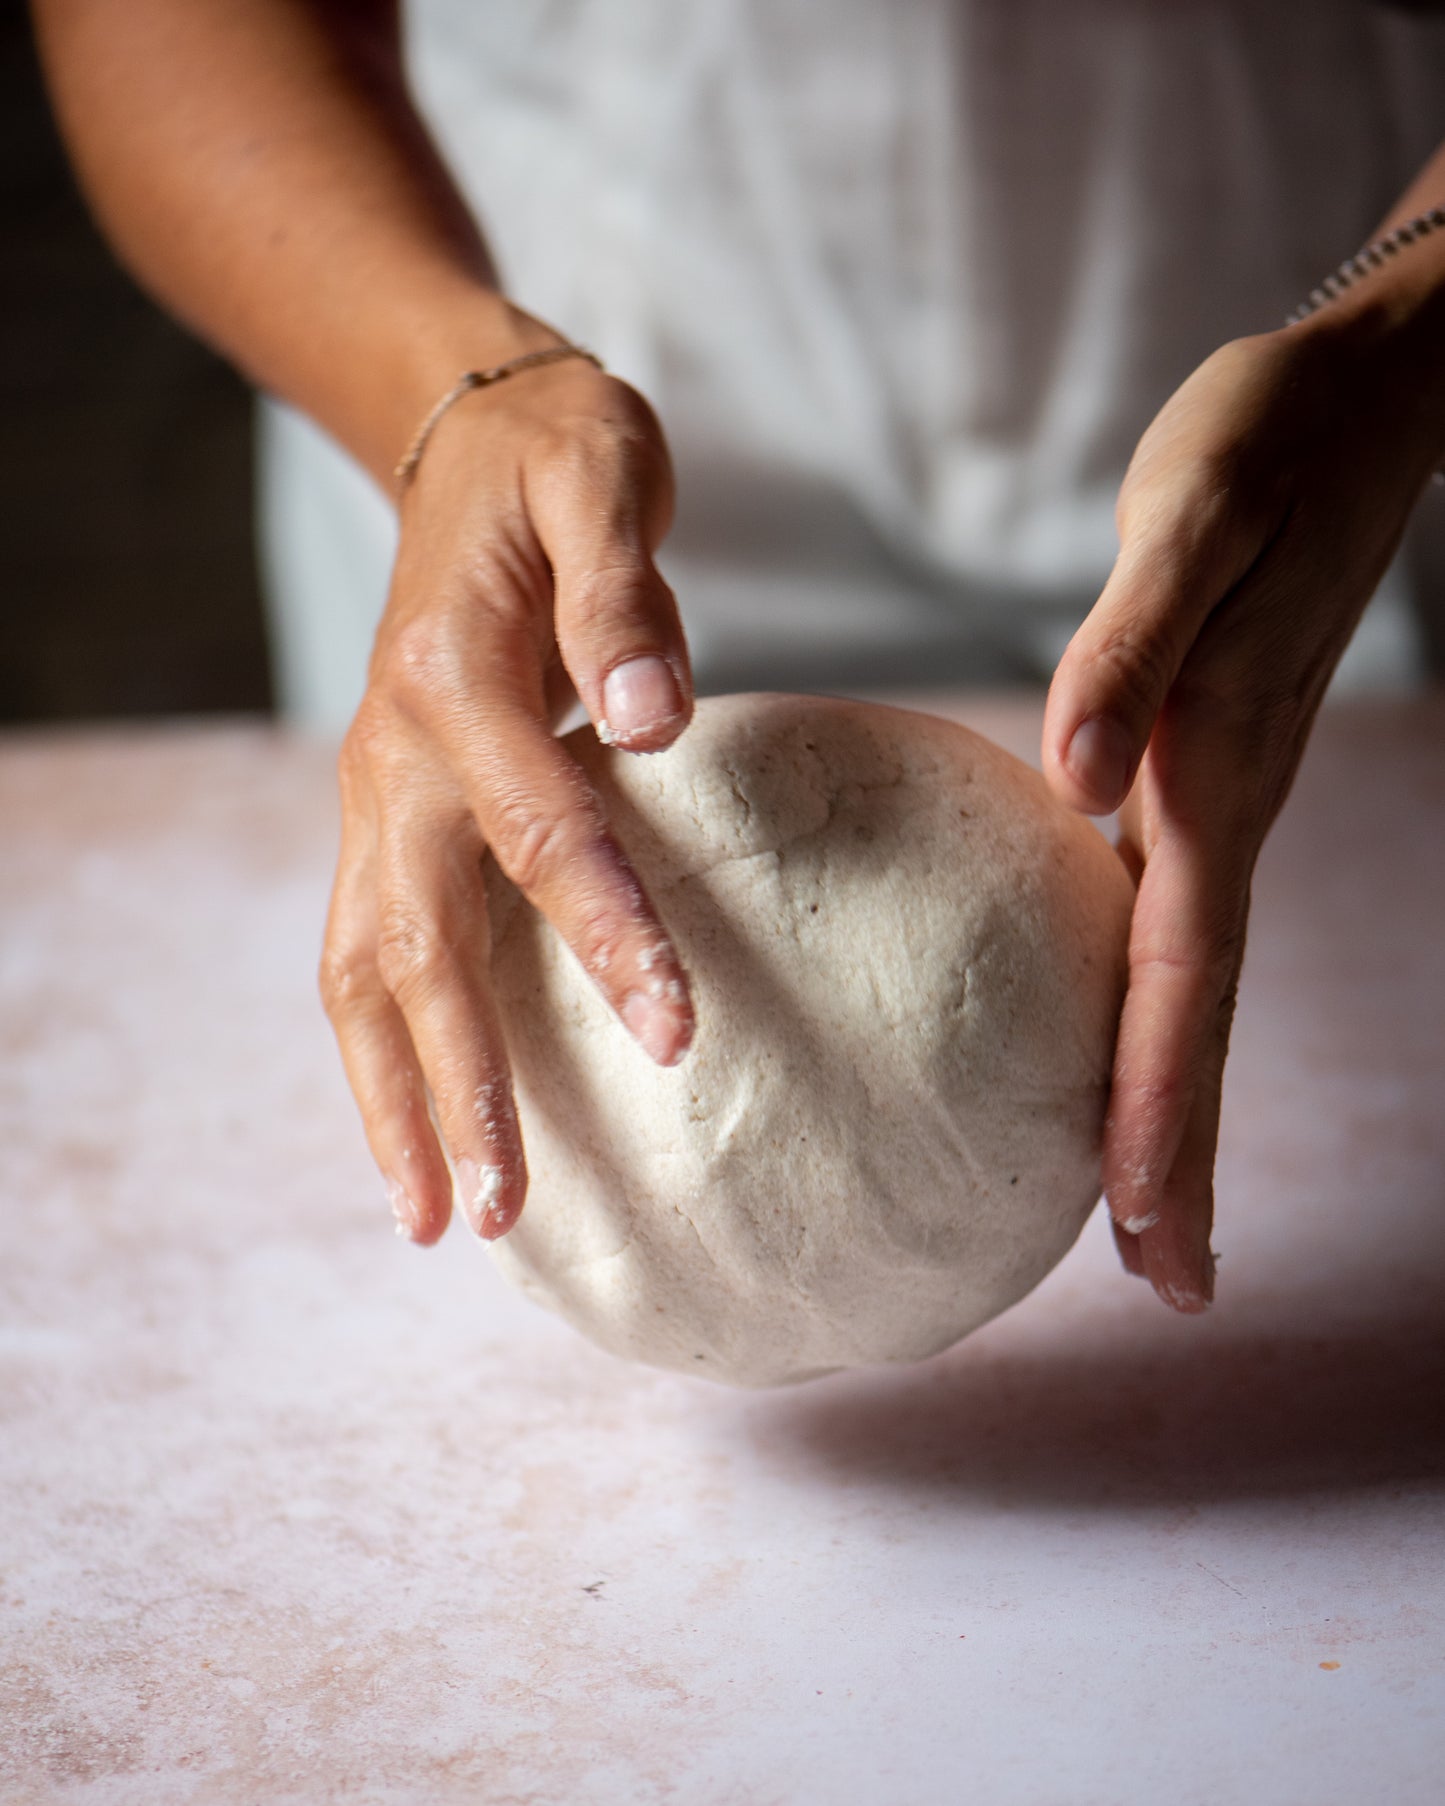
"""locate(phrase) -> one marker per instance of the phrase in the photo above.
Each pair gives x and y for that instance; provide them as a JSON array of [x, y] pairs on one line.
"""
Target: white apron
[[905, 280]]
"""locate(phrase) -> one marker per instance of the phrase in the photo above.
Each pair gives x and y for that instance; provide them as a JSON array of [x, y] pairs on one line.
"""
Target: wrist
[[469, 329], [1387, 333], [485, 377]]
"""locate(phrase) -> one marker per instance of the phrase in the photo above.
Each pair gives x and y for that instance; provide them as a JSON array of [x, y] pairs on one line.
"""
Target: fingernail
[[1131, 1257], [1194, 1293], [1197, 1294], [1187, 1299], [408, 1217], [1135, 1225], [638, 697], [478, 1196], [1098, 757], [655, 1029]]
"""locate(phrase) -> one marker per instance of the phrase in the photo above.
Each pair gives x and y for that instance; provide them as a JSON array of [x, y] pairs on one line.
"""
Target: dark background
[[127, 570]]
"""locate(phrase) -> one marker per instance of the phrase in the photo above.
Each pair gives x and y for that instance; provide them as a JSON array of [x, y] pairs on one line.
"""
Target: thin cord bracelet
[[1373, 257], [480, 379]]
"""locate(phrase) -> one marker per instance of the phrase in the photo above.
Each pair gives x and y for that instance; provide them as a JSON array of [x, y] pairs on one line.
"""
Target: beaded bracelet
[[1372, 257], [479, 379]]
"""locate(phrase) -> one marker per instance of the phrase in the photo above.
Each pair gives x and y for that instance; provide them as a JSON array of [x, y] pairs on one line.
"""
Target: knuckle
[[624, 588], [492, 617], [371, 731], [626, 421], [621, 440], [1210, 966], [1136, 668], [417, 662], [634, 414], [1181, 498], [377, 762], [528, 845], [411, 950], [345, 978]]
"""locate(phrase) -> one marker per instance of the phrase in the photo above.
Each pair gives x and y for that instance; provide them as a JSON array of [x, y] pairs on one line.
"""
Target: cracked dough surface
[[907, 962]]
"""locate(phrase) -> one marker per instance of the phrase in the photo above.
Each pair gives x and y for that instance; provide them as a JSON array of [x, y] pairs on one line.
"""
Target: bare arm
[[261, 167]]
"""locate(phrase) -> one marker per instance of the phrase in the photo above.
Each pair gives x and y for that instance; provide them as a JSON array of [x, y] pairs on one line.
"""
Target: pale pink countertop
[[292, 1512]]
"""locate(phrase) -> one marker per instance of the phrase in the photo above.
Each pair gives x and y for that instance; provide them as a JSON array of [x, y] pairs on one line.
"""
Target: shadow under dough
[[1191, 1413]]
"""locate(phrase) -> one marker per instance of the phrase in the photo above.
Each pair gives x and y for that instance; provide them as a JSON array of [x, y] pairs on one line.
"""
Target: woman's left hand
[[1259, 513]]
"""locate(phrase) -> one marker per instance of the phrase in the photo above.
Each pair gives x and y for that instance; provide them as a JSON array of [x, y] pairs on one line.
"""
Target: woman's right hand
[[524, 573]]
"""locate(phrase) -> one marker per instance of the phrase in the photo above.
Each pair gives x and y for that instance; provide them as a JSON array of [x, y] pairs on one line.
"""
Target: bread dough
[[907, 961]]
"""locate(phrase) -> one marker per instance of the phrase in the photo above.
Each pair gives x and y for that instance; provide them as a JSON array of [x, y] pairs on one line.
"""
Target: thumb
[[1121, 665], [616, 621], [622, 642]]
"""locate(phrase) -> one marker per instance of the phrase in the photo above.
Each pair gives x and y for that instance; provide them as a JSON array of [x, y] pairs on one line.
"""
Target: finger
[[541, 819], [550, 837], [1130, 848], [599, 518], [432, 954], [1186, 948], [1177, 1253], [387, 1082], [1220, 762], [376, 1051], [1176, 564]]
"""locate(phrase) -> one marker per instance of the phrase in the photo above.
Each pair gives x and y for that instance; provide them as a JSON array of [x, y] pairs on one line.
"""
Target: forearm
[[260, 167]]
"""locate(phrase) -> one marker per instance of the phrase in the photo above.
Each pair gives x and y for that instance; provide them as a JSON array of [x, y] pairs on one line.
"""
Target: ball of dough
[[907, 961]]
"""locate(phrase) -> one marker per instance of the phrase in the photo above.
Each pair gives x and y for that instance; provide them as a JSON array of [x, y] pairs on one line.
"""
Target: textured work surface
[[290, 1512]]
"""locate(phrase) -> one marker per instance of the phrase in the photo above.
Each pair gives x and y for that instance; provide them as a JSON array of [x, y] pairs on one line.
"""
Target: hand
[[1257, 516], [524, 571]]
